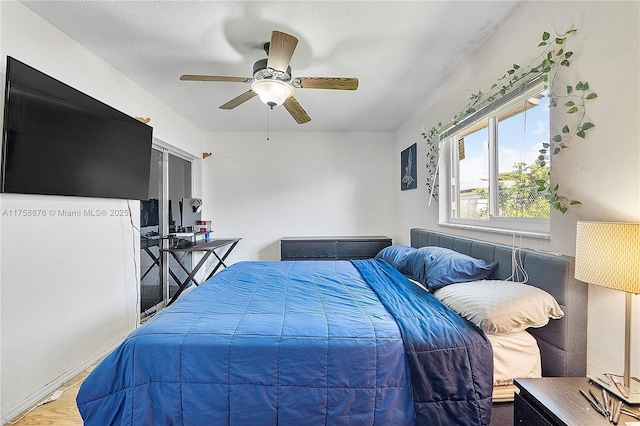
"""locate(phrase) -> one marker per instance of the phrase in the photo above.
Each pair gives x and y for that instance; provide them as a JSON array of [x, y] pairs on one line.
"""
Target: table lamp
[[608, 255]]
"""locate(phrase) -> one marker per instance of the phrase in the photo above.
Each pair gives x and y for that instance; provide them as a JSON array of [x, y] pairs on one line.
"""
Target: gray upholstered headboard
[[563, 342]]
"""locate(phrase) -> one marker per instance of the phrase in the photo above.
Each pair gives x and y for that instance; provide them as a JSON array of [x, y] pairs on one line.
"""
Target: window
[[494, 161]]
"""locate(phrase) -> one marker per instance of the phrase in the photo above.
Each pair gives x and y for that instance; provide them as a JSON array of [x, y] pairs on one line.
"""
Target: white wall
[[297, 185], [69, 284], [602, 170]]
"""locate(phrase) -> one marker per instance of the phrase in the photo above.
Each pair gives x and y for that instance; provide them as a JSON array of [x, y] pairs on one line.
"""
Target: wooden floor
[[63, 411]]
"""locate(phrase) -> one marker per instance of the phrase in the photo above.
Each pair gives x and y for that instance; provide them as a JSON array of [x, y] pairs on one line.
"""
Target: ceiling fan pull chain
[[269, 123]]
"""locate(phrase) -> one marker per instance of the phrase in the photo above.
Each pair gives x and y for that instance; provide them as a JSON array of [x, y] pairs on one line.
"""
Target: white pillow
[[500, 306]]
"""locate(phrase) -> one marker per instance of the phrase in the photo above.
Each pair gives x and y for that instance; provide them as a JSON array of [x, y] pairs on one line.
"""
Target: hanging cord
[[523, 144], [135, 263], [517, 265], [269, 123]]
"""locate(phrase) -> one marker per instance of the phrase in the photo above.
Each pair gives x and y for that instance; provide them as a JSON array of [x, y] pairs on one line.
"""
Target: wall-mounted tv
[[59, 141]]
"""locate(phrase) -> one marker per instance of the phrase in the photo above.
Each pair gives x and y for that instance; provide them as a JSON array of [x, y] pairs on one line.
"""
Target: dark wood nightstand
[[557, 401]]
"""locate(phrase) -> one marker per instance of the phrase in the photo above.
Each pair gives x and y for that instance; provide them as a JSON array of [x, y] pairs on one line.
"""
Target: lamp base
[[630, 395]]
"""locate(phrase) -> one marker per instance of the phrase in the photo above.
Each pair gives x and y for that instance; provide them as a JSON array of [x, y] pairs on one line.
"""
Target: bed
[[321, 342]]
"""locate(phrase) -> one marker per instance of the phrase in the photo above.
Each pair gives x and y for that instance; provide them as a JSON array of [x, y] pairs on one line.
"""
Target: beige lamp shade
[[608, 255]]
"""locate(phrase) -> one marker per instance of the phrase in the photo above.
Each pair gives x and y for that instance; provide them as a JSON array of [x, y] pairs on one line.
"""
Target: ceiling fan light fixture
[[272, 92]]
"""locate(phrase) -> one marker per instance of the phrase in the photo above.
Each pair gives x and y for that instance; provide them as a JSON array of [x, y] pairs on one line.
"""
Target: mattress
[[515, 355]]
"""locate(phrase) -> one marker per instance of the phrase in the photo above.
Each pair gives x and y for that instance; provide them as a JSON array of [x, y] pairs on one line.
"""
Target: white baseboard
[[44, 392]]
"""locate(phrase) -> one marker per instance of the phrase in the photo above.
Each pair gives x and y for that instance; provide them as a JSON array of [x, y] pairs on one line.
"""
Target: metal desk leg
[[221, 260], [190, 277], [182, 285], [184, 268], [195, 270], [156, 261]]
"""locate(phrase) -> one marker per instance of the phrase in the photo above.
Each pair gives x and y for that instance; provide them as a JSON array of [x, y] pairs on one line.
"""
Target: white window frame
[[531, 227]]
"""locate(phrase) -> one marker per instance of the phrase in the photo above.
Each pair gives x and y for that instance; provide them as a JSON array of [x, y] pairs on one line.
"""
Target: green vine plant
[[553, 57]]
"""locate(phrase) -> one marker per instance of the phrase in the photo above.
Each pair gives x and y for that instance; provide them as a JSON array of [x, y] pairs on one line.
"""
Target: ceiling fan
[[272, 80]]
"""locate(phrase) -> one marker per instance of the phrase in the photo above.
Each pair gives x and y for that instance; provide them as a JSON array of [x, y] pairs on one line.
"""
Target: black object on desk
[[208, 248]]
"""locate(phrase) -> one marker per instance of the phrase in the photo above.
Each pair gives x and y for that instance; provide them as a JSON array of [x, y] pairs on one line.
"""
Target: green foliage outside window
[[518, 192]]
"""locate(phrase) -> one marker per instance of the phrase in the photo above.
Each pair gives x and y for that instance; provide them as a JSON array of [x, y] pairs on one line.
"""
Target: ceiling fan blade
[[238, 100], [281, 50], [191, 77], [338, 83], [296, 110]]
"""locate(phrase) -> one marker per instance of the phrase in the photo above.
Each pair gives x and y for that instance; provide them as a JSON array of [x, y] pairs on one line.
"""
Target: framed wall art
[[408, 178]]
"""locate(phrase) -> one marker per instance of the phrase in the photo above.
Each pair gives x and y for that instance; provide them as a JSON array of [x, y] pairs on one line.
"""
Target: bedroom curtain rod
[[498, 103]]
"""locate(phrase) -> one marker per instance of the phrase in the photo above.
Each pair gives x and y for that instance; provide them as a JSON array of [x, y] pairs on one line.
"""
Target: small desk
[[208, 248]]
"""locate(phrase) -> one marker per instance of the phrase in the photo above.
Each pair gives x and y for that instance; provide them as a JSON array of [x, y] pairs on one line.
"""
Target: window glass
[[473, 167], [522, 129]]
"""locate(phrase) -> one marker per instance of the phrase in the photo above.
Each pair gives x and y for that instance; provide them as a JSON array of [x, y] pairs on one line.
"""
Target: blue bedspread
[[289, 343], [451, 361]]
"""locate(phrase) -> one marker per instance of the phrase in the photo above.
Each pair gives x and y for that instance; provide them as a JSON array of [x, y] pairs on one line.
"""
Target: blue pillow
[[436, 267], [395, 255]]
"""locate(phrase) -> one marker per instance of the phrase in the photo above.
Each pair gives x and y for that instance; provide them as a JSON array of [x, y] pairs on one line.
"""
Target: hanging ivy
[[553, 57], [433, 154]]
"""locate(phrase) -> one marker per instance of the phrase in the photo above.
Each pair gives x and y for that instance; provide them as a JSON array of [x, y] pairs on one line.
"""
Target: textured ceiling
[[400, 51]]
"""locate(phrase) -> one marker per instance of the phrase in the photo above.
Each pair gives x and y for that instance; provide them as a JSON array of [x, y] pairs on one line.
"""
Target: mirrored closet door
[[170, 183]]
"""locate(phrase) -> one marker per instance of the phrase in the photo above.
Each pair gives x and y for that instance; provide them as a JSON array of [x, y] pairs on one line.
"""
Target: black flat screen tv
[[60, 141]]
